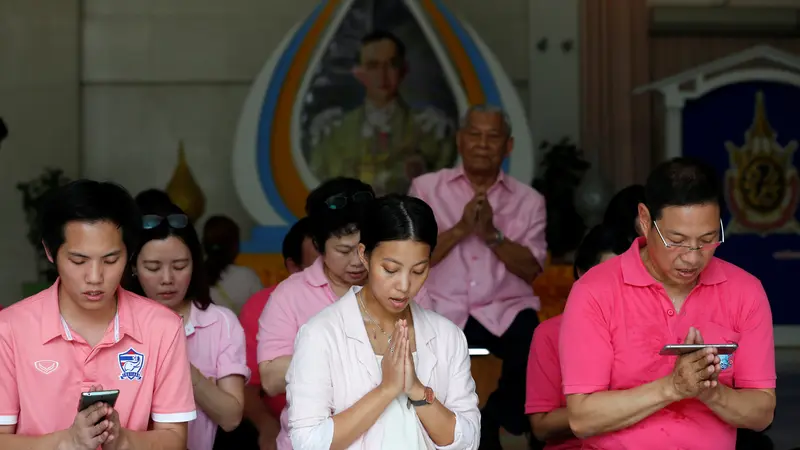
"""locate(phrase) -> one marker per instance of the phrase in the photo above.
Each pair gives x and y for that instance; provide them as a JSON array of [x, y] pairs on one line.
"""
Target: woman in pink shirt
[[545, 403], [168, 268], [374, 370], [335, 209]]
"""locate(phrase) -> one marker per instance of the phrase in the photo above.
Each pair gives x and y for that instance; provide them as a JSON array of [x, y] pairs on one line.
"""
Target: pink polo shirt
[[543, 386], [471, 280], [215, 344], [617, 319], [248, 317], [293, 302], [44, 366]]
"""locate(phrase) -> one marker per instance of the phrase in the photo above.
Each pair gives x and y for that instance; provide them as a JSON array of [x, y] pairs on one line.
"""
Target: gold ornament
[[184, 191]]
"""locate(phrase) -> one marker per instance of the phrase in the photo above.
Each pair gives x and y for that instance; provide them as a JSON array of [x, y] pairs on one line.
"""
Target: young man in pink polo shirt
[[86, 333], [668, 288], [491, 247]]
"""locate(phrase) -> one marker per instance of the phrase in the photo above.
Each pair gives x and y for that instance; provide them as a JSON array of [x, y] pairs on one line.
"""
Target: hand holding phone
[[89, 430], [695, 372]]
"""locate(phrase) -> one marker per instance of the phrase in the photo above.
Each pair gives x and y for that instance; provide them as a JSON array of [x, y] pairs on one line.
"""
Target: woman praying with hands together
[[374, 370]]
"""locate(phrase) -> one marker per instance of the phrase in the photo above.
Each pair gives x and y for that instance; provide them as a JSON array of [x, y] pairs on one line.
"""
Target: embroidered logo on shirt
[[725, 361], [46, 366], [131, 363]]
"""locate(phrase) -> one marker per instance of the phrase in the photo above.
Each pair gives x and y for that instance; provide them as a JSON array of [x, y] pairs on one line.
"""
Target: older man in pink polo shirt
[[86, 333], [669, 289], [490, 250]]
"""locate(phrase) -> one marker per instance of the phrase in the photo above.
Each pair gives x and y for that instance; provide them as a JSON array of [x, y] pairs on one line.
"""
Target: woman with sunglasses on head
[[168, 268], [335, 210], [375, 370]]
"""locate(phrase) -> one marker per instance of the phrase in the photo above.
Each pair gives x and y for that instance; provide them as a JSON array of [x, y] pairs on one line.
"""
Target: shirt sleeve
[[309, 391], [277, 327], [173, 398], [754, 360], [9, 395], [232, 359], [543, 386], [461, 398], [584, 343], [248, 318], [534, 237]]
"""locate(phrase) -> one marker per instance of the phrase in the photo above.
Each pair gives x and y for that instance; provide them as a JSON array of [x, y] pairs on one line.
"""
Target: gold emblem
[[762, 184]]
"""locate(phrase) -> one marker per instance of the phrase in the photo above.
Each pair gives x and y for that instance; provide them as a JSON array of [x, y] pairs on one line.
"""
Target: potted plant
[[563, 168], [33, 194]]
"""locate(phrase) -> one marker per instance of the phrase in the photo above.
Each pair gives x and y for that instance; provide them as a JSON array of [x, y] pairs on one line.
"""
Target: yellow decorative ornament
[[184, 191]]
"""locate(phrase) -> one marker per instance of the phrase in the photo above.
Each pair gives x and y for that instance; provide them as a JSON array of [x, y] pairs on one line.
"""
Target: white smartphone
[[682, 349]]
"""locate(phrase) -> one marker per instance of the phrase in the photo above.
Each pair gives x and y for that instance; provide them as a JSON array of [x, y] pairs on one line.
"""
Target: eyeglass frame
[[348, 199], [176, 221], [689, 248]]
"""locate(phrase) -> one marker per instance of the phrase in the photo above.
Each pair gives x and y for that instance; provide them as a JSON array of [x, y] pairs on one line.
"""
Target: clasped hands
[[478, 217], [399, 375], [695, 374]]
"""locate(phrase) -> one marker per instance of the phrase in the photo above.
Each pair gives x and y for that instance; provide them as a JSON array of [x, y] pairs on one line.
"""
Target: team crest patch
[[725, 361], [131, 363]]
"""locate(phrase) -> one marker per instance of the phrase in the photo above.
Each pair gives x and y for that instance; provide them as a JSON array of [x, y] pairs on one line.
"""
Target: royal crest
[[131, 363], [762, 184]]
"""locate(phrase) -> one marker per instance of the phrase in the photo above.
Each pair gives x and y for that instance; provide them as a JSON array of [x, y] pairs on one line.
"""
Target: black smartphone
[[90, 398], [682, 349]]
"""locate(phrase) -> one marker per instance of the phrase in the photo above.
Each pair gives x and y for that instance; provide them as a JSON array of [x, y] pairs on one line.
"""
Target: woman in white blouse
[[374, 370]]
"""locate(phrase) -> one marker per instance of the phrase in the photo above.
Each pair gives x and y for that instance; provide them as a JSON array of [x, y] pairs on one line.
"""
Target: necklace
[[374, 322]]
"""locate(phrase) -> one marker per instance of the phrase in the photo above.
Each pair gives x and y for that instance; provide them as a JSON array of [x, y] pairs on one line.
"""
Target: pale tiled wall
[[39, 42], [156, 71]]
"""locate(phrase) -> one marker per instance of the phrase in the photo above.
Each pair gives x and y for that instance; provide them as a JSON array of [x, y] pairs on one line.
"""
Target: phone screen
[[90, 398], [682, 349]]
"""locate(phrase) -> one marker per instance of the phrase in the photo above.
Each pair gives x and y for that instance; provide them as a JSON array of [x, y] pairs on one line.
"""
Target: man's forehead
[[691, 217], [381, 50]]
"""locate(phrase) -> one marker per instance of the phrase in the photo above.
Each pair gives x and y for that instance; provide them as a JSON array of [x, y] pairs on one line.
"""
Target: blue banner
[[748, 132]]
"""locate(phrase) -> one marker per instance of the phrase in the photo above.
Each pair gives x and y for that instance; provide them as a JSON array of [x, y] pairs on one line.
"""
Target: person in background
[[261, 410], [622, 212], [151, 199], [335, 210], [545, 403], [168, 268], [87, 333], [374, 370], [668, 288], [231, 285], [491, 248]]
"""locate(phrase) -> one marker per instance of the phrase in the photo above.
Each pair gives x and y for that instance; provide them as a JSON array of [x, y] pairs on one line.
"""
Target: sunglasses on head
[[151, 221], [339, 201]]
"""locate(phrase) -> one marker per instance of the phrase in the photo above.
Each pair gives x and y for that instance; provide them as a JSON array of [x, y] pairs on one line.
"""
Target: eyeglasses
[[689, 248], [339, 201], [151, 221]]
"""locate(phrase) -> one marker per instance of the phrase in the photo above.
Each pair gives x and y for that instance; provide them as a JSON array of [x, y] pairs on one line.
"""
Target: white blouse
[[405, 433]]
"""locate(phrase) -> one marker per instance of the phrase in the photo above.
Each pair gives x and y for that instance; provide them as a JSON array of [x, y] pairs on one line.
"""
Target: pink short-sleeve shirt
[[471, 280], [617, 319], [543, 386], [215, 344], [44, 366]]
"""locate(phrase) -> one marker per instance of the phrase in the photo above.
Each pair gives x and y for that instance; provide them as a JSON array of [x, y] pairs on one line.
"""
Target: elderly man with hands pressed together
[[669, 289], [491, 247]]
